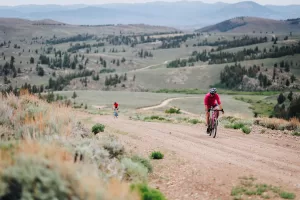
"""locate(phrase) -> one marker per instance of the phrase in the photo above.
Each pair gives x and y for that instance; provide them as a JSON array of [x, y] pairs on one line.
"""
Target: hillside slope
[[23, 28], [250, 24]]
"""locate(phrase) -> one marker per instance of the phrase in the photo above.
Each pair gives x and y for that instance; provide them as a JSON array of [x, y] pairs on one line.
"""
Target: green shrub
[[194, 121], [287, 195], [107, 71], [134, 171], [31, 178], [296, 133], [98, 128], [148, 193], [238, 125], [155, 117], [143, 161], [173, 111], [246, 129], [157, 155]]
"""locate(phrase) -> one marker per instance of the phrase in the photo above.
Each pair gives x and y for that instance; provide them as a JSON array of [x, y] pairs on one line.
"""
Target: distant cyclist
[[116, 106], [212, 99], [116, 109]]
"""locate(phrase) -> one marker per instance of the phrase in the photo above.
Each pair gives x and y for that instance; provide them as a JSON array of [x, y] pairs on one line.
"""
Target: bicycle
[[213, 122], [116, 112]]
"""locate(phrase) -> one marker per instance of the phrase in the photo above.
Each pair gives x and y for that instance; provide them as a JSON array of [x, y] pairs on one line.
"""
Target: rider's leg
[[217, 108], [207, 114]]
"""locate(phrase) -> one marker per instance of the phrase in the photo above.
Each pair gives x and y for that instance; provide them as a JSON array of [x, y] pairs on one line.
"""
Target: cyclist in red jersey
[[116, 109], [212, 99]]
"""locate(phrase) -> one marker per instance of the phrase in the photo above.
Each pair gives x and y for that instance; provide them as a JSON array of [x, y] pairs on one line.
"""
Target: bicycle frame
[[214, 114]]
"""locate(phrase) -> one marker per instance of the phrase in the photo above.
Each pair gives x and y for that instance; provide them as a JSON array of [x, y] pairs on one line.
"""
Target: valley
[[59, 80]]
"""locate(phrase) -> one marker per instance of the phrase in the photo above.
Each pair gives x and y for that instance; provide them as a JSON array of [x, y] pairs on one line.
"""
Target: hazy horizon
[[95, 2]]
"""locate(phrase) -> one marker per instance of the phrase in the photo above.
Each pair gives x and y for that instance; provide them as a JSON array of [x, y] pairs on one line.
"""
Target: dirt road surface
[[165, 103], [197, 166]]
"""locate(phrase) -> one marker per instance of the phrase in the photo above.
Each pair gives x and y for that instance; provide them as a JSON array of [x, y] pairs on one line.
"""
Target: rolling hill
[[13, 28], [250, 24]]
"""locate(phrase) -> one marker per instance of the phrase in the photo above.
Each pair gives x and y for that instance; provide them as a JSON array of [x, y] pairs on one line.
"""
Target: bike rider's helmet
[[213, 91]]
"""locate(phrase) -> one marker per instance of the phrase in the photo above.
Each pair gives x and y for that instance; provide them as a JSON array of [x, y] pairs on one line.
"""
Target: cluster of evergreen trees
[[63, 60], [17, 47], [62, 81], [250, 54], [196, 57], [2, 44], [144, 54], [103, 62], [168, 42], [130, 40], [114, 80], [32, 89], [287, 107], [9, 68], [102, 71], [180, 63], [232, 76], [76, 38], [77, 46], [284, 67], [264, 81], [174, 42], [225, 44]]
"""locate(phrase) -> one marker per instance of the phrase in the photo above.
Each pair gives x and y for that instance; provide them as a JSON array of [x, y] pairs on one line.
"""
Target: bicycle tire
[[210, 128], [215, 129]]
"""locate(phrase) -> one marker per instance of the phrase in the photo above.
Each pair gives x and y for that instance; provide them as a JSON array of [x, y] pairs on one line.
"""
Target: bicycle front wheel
[[211, 127], [215, 129]]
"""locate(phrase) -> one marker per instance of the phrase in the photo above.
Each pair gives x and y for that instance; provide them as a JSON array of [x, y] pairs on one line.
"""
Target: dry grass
[[75, 181], [40, 156], [279, 124], [27, 116]]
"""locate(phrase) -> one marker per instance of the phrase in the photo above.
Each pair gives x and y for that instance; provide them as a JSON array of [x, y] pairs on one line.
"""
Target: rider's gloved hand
[[222, 111]]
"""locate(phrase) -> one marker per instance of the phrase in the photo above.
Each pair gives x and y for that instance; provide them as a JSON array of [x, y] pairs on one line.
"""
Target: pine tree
[[293, 78], [74, 96], [290, 96], [274, 73], [31, 60], [287, 67], [281, 98], [287, 83]]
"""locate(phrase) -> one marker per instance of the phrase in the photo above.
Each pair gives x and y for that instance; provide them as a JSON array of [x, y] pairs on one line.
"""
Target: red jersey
[[116, 105], [211, 100]]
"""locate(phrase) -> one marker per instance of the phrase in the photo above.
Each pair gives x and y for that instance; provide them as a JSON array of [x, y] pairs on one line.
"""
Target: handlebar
[[215, 110]]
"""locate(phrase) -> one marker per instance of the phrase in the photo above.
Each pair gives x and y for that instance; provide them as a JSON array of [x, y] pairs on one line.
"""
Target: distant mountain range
[[195, 14]]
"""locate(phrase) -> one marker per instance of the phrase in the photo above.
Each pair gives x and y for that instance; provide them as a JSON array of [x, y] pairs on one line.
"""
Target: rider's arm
[[206, 108], [206, 103], [219, 102]]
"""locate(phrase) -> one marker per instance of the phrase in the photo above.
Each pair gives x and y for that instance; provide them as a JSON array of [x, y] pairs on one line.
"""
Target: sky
[[65, 2]]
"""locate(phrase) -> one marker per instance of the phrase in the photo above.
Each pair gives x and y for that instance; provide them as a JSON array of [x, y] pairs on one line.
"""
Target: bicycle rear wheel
[[215, 129]]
